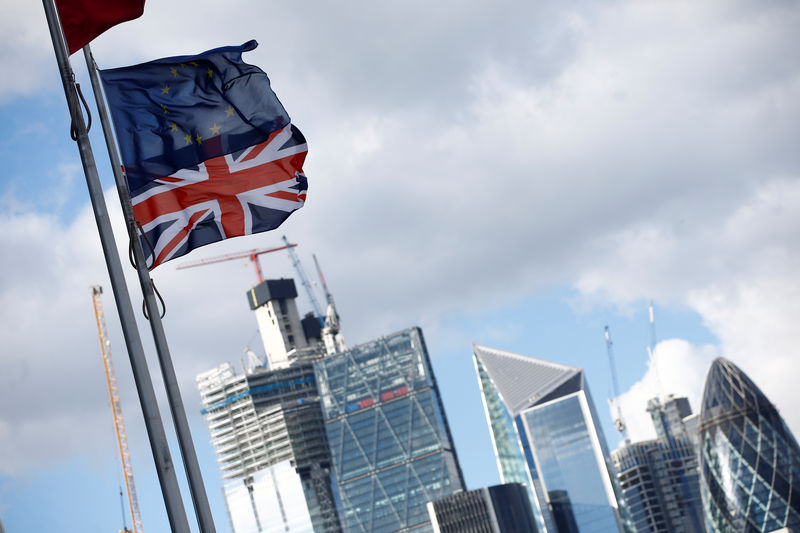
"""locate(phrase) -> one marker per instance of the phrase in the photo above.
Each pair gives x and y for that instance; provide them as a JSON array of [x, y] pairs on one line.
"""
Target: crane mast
[[332, 330], [116, 411], [304, 280], [619, 422]]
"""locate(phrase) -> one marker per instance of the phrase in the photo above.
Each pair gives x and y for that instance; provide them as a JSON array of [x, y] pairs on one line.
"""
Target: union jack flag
[[246, 192]]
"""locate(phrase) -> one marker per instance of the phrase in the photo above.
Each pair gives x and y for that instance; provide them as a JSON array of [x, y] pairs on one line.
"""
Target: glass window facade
[[269, 438], [507, 446], [565, 453], [390, 445], [498, 509], [750, 461], [543, 424], [271, 500]]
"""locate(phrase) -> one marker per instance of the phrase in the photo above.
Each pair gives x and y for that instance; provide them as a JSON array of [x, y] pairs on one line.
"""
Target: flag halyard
[[208, 149]]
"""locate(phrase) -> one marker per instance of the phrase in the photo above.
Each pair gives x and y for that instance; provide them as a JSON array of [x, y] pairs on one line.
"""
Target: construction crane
[[116, 411], [619, 422], [651, 350], [252, 254], [332, 331], [304, 281]]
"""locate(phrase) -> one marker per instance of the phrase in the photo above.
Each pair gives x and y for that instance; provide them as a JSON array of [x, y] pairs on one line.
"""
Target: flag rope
[[159, 445]]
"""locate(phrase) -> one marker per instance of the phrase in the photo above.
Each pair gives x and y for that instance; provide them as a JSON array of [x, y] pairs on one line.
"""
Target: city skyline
[[516, 176]]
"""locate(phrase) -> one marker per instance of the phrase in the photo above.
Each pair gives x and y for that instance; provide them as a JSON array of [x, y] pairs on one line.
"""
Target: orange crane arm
[[116, 410], [252, 254]]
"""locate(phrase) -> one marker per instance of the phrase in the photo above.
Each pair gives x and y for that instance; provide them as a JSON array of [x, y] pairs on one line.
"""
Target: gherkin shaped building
[[749, 460]]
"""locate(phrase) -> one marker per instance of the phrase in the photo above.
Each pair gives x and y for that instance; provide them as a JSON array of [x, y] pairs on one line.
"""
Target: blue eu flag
[[175, 113]]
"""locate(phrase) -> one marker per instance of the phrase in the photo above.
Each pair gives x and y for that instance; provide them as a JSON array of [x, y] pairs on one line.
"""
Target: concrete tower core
[[287, 338]]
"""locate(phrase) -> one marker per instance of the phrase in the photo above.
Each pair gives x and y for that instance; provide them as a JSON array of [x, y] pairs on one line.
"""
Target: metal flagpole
[[147, 398], [190, 463]]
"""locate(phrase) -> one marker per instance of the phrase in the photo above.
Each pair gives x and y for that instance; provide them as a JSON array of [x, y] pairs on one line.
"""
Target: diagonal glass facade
[[546, 436], [390, 445], [750, 461]]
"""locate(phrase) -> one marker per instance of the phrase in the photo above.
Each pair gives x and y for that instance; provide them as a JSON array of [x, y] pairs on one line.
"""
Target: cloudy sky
[[515, 174]]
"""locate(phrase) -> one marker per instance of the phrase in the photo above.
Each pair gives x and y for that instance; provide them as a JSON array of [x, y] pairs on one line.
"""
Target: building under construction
[[266, 423]]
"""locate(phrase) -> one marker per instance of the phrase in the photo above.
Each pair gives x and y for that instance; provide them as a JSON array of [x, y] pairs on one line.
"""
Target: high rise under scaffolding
[[266, 424], [659, 478]]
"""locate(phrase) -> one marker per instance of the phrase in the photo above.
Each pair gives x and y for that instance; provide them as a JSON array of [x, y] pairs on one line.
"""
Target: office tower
[[658, 478], [497, 509], [389, 441], [749, 460], [266, 425], [546, 435]]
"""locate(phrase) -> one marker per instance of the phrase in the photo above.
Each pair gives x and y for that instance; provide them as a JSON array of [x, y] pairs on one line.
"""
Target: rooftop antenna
[[619, 422]]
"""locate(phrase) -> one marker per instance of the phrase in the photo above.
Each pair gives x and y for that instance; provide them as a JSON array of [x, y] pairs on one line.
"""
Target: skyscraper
[[658, 478], [546, 435], [266, 425], [749, 460], [390, 444]]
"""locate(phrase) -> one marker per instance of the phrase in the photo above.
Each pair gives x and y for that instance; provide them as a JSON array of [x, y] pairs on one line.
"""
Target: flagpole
[[165, 468], [188, 453]]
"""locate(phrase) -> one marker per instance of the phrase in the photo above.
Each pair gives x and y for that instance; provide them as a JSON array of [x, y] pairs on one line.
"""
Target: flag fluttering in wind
[[83, 20], [209, 151]]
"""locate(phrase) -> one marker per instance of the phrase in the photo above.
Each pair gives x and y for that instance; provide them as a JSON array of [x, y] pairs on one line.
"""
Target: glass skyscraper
[[546, 436], [750, 461], [390, 444]]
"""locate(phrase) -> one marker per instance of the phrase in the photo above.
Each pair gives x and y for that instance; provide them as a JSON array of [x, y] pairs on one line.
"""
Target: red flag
[[83, 20]]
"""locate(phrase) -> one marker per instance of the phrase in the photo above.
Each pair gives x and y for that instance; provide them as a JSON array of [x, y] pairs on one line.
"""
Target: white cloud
[[676, 367], [633, 149], [739, 275], [756, 323]]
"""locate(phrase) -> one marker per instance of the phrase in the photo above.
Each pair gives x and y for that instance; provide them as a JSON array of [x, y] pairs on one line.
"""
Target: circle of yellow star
[[229, 111], [173, 126], [199, 139], [188, 138], [214, 129], [165, 89], [174, 72]]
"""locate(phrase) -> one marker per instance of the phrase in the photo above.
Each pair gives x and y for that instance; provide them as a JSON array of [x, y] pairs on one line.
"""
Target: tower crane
[[116, 411], [651, 350], [304, 281], [332, 332], [619, 422], [252, 254]]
